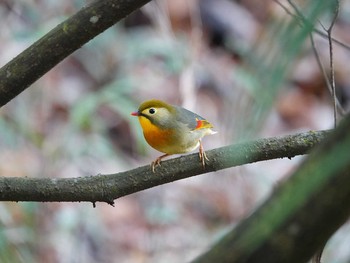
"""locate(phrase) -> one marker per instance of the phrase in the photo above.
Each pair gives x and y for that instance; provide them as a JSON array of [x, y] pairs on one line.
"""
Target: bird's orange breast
[[159, 139]]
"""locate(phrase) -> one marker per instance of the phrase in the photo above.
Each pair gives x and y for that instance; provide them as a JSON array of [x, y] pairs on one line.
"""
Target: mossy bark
[[106, 188]]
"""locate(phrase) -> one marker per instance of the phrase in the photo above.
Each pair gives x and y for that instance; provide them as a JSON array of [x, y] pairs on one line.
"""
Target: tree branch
[[300, 215], [60, 42], [107, 188]]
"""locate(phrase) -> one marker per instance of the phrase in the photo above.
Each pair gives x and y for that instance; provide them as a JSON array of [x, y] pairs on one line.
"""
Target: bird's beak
[[135, 113]]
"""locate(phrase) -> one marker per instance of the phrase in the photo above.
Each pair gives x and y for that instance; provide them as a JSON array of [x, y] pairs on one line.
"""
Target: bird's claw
[[202, 156], [156, 162]]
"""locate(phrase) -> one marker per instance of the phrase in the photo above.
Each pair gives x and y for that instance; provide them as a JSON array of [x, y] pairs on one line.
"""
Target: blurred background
[[214, 57]]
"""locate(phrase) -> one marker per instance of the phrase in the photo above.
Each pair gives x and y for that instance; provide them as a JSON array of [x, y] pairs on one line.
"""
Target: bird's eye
[[152, 110]]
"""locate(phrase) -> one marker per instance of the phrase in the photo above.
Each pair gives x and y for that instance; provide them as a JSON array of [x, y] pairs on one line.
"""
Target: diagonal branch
[[300, 215], [60, 42], [107, 188]]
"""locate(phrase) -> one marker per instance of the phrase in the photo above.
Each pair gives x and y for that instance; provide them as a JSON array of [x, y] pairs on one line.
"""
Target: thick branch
[[60, 42], [106, 188], [301, 214]]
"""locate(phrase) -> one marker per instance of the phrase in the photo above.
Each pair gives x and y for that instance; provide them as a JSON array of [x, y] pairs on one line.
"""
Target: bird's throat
[[158, 138]]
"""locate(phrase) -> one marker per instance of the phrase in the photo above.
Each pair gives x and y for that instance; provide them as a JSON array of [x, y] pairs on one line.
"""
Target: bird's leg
[[202, 155], [156, 162]]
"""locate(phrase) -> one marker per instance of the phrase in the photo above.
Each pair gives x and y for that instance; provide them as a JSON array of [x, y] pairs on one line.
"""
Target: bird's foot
[[202, 156], [156, 162]]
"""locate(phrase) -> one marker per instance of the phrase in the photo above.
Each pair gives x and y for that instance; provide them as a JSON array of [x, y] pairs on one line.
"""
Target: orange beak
[[136, 113]]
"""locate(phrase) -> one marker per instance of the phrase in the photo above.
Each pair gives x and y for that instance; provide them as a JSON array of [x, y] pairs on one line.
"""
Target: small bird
[[172, 129]]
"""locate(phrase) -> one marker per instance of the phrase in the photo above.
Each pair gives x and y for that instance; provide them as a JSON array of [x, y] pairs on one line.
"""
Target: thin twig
[[331, 81], [286, 9], [324, 73], [317, 257], [304, 21], [331, 62]]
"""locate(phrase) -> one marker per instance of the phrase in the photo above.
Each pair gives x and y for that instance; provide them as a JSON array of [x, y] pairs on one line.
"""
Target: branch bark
[[107, 188], [60, 42], [301, 214]]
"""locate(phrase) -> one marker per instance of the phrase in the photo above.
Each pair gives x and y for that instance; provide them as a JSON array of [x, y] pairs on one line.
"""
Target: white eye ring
[[152, 111]]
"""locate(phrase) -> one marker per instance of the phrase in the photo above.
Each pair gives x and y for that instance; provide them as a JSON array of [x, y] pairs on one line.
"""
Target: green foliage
[[270, 61]]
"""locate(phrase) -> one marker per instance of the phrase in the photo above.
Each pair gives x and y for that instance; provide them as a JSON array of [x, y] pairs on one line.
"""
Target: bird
[[172, 129]]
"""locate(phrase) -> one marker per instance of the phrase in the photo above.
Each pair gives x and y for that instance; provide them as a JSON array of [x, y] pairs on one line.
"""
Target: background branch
[[331, 62], [60, 42], [106, 188], [339, 107], [305, 22]]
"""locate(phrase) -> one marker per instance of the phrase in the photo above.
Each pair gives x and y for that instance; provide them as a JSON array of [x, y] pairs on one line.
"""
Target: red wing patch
[[201, 124]]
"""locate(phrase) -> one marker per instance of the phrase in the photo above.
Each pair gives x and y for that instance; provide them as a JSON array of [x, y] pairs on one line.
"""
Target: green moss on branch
[[107, 188]]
